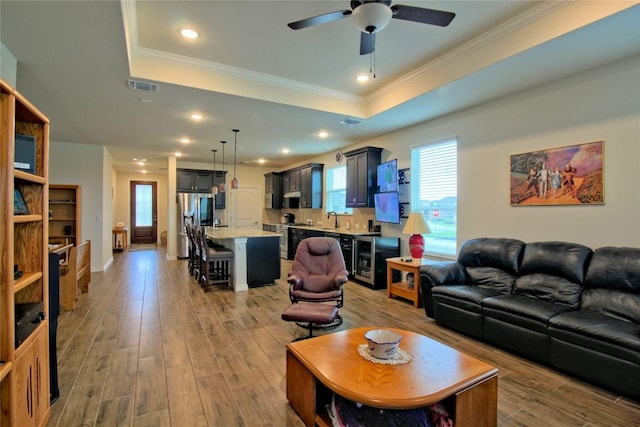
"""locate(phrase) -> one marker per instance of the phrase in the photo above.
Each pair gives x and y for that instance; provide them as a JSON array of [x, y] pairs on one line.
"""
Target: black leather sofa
[[558, 303]]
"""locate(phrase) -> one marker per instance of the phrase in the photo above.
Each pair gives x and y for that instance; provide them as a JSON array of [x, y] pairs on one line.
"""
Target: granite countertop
[[341, 230], [233, 233]]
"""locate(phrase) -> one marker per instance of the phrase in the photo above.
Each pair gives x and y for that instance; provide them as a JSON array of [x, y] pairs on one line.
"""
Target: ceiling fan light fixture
[[371, 17]]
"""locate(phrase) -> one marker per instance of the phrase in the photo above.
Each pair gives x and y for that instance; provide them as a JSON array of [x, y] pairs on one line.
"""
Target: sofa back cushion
[[553, 271], [491, 262], [613, 283]]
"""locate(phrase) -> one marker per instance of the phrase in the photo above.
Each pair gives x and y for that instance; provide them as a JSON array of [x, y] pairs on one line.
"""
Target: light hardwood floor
[[147, 347]]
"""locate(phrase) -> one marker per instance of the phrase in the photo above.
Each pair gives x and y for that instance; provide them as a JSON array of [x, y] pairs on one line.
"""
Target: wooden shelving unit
[[24, 371], [64, 214]]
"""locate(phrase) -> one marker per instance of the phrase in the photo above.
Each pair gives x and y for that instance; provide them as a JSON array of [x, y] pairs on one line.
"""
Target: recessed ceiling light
[[178, 154], [188, 33], [362, 78], [323, 134], [196, 116], [143, 171], [185, 140], [261, 161], [285, 151]]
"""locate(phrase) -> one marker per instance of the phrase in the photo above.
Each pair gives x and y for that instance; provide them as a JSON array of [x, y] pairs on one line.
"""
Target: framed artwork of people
[[571, 175]]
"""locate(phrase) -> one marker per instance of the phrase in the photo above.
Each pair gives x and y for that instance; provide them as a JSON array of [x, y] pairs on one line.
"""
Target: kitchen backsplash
[[358, 220]]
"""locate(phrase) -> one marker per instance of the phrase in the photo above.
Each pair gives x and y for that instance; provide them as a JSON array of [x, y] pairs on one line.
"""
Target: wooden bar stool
[[217, 265]]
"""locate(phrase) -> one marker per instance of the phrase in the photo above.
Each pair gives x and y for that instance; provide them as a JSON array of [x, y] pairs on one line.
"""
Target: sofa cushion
[[492, 278], [553, 272], [615, 268], [521, 310], [598, 332], [616, 304], [613, 283], [562, 259], [549, 288], [500, 253], [464, 296]]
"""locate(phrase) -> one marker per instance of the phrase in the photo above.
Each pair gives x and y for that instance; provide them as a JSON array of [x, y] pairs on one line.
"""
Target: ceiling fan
[[371, 16]]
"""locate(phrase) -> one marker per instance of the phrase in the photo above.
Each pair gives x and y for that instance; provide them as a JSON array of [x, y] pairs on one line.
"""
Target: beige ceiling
[[249, 71]]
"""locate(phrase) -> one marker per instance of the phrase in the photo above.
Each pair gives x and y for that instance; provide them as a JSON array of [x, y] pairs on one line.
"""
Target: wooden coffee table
[[321, 366]]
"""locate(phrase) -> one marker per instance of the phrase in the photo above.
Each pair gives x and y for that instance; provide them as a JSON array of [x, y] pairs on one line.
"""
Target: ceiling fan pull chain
[[372, 64]]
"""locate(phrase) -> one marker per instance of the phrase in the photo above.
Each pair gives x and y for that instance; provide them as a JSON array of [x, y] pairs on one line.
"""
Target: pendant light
[[224, 176], [214, 189], [234, 181]]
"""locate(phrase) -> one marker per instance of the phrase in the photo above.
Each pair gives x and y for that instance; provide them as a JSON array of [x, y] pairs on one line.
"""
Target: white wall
[[599, 105], [65, 167], [107, 208], [8, 65]]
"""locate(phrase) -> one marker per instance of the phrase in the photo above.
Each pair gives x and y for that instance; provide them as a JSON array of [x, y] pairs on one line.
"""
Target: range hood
[[292, 195]]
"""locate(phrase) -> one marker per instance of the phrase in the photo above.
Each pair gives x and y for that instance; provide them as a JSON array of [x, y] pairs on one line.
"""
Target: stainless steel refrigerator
[[189, 212]]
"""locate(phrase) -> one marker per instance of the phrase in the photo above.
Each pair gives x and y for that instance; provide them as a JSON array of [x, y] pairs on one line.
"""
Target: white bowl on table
[[383, 343]]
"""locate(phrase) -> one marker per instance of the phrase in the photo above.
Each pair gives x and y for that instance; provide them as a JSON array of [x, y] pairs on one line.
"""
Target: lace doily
[[400, 358]]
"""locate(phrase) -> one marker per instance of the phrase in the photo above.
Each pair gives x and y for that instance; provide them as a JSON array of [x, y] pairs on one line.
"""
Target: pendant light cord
[[235, 151]]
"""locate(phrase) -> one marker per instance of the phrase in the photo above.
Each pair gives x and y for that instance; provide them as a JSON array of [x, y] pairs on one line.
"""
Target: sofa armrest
[[444, 273], [439, 273]]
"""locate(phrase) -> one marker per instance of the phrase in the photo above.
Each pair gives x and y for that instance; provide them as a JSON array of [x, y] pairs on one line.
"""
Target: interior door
[[144, 212], [245, 207]]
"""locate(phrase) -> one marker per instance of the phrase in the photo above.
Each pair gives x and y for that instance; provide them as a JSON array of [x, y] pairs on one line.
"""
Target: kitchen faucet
[[334, 214]]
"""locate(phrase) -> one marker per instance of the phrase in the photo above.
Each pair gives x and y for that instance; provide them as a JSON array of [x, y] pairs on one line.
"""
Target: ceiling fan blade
[[422, 15], [320, 19], [367, 43]]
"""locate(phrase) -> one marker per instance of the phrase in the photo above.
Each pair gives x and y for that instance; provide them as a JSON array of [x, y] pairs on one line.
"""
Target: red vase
[[416, 245]]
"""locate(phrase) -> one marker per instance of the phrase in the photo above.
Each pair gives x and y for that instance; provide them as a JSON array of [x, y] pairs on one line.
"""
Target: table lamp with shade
[[416, 226]]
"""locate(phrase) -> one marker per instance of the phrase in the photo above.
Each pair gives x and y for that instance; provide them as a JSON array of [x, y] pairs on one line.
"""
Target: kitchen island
[[256, 255]]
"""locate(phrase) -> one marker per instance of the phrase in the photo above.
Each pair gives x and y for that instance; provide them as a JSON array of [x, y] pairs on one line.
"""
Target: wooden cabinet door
[[203, 181], [352, 181], [362, 188], [32, 382], [184, 181], [268, 183], [305, 188], [294, 180], [25, 373], [41, 387]]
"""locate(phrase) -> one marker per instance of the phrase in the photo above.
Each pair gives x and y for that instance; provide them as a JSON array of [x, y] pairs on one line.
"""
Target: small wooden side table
[[122, 232], [403, 289]]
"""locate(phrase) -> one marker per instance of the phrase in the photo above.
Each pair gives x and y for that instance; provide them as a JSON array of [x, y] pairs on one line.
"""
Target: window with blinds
[[336, 186], [434, 192]]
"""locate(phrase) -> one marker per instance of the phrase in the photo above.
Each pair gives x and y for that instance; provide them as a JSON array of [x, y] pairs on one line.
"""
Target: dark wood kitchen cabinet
[[362, 168], [294, 180], [311, 186], [273, 190], [194, 181]]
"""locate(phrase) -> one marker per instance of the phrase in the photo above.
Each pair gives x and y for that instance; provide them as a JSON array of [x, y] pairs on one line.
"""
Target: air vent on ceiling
[[143, 86], [350, 121]]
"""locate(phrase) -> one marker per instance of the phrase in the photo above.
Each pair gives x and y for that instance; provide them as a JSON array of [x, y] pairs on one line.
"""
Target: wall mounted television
[[388, 176], [387, 207]]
